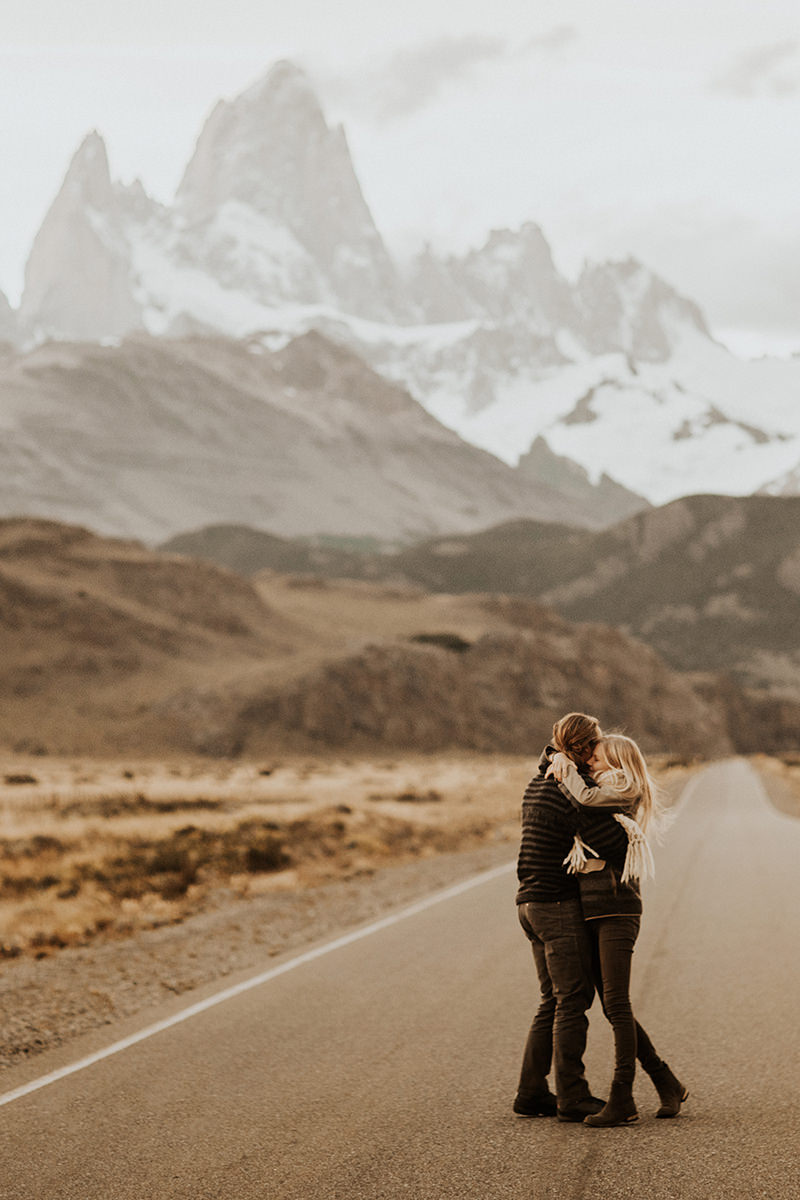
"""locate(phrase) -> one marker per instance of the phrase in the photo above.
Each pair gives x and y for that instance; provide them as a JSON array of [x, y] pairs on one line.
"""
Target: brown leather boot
[[671, 1092], [619, 1109]]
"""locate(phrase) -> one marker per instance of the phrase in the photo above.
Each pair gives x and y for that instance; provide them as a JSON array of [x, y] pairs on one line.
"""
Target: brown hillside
[[108, 648], [94, 631], [499, 694], [712, 583]]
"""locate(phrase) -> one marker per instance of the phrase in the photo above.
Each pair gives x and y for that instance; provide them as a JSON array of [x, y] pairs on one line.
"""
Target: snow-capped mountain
[[79, 281], [269, 213], [270, 235], [511, 277], [700, 420], [270, 204]]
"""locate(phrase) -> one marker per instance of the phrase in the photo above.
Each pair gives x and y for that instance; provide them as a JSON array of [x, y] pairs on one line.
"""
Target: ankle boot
[[671, 1091], [619, 1108]]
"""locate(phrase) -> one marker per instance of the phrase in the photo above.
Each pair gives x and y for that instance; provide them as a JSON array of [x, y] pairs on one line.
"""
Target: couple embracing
[[584, 849]]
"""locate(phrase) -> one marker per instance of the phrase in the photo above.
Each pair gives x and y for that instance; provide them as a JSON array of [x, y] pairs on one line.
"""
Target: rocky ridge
[[710, 582], [154, 436]]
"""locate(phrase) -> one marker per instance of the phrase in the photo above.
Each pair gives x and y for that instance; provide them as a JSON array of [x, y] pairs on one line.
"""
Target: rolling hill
[[711, 582], [111, 648]]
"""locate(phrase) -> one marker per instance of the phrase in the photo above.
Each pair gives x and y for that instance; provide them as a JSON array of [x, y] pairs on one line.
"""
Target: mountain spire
[[78, 275], [89, 173], [268, 164]]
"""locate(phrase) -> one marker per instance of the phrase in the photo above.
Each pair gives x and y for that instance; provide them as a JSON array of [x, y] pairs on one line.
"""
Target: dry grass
[[99, 850], [781, 777]]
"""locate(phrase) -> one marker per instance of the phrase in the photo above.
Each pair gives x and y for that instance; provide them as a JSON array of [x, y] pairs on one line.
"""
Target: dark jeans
[[562, 952], [613, 939]]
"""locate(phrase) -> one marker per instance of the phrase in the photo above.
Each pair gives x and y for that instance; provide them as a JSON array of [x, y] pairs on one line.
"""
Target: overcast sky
[[670, 131]]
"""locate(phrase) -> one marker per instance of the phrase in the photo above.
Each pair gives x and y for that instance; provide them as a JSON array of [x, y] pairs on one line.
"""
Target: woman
[[610, 855]]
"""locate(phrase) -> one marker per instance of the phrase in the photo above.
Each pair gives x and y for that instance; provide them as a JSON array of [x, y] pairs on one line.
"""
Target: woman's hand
[[559, 766]]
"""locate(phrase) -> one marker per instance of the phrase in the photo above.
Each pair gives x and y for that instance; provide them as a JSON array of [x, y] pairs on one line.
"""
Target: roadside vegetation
[[96, 850], [781, 777]]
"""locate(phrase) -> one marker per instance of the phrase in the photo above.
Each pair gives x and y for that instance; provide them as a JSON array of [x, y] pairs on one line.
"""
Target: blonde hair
[[632, 780]]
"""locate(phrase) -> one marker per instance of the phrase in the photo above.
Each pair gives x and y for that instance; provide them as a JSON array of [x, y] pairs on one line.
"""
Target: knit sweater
[[550, 820], [549, 824]]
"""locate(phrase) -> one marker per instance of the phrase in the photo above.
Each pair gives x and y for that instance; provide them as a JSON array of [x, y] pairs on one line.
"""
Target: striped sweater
[[550, 820]]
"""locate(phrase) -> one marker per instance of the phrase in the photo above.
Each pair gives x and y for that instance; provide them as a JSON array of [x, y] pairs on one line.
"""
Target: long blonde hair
[[631, 779]]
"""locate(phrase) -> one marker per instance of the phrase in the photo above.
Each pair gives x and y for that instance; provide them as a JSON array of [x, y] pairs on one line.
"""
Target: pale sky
[[670, 131]]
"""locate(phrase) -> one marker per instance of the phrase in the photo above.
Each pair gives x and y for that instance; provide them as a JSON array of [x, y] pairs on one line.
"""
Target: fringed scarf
[[638, 860]]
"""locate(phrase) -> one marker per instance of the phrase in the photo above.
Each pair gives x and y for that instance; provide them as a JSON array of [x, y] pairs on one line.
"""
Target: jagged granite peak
[[516, 252], [78, 281], [89, 174], [271, 152], [512, 276], [248, 148], [270, 213], [542, 463], [626, 307]]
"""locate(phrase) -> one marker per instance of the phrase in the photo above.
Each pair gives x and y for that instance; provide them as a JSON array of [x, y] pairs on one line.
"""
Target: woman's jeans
[[613, 940], [562, 952]]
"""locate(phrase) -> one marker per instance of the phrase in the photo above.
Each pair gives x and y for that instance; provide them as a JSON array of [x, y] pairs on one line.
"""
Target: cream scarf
[[639, 862]]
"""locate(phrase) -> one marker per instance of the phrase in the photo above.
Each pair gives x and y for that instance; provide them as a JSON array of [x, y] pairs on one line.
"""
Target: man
[[549, 908]]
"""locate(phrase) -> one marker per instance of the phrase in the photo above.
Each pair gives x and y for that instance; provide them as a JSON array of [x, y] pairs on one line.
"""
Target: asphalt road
[[386, 1068]]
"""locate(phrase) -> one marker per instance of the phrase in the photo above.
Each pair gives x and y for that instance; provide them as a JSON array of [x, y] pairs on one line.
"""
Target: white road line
[[228, 993]]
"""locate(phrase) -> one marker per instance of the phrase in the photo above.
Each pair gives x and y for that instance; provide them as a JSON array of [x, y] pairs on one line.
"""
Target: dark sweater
[[550, 819], [549, 823]]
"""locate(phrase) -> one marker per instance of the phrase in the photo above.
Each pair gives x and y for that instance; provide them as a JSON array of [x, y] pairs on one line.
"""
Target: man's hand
[[559, 766]]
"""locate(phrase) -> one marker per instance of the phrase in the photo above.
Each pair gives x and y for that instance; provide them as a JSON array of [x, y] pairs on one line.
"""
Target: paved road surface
[[386, 1068]]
